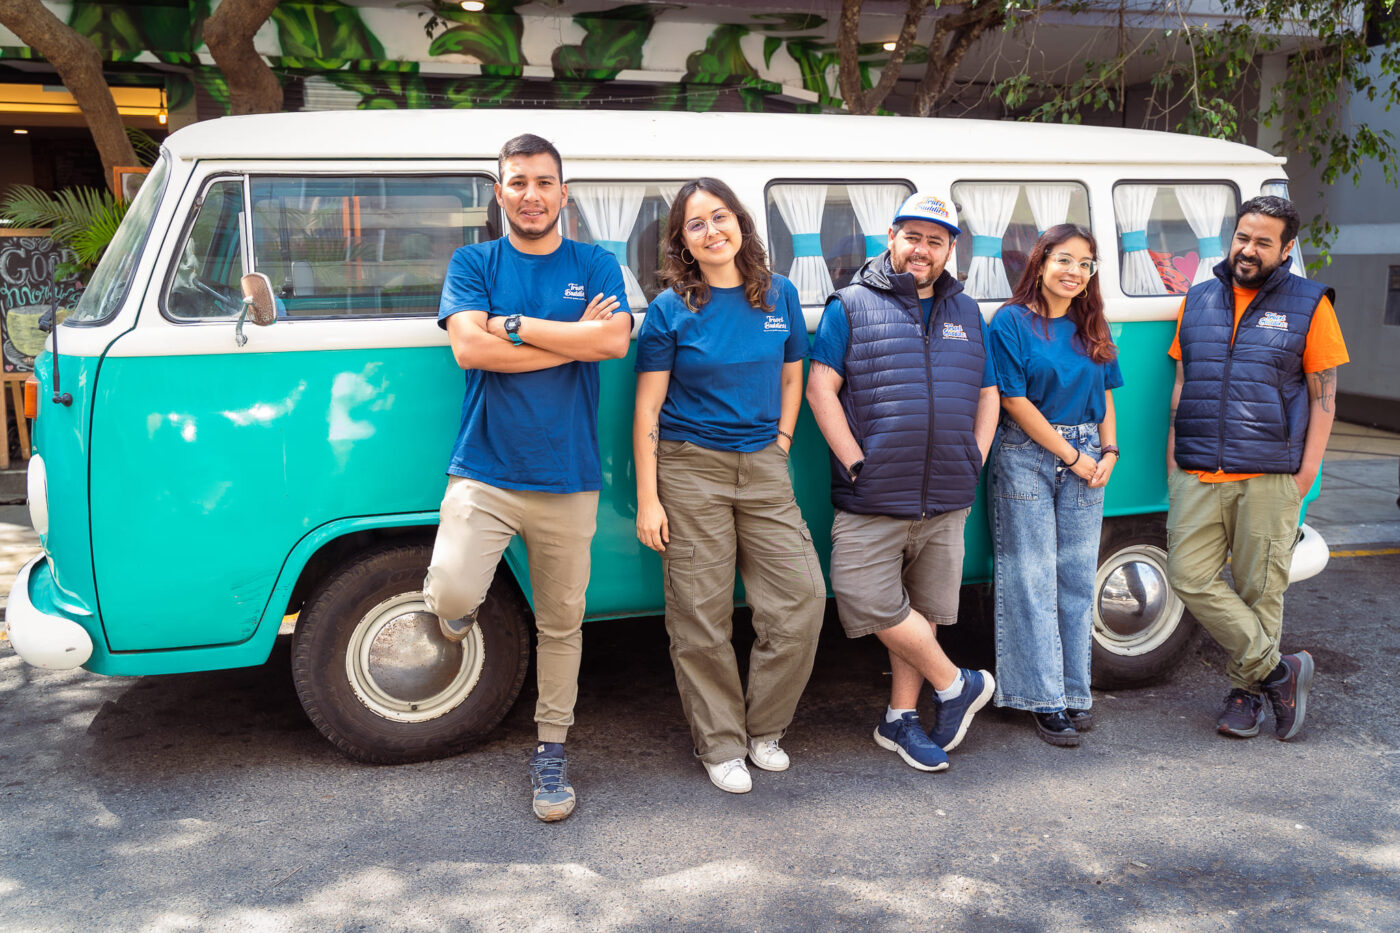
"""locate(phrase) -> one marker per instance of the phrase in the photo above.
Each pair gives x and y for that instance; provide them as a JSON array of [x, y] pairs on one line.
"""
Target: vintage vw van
[[203, 482]]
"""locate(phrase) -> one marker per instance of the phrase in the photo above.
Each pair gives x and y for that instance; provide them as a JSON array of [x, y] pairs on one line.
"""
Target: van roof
[[690, 137]]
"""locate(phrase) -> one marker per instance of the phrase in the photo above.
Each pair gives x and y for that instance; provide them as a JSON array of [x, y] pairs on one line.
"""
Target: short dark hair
[[1272, 206], [528, 144]]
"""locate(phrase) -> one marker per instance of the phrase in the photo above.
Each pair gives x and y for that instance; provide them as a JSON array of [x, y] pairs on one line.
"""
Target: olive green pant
[[1255, 523], [725, 508]]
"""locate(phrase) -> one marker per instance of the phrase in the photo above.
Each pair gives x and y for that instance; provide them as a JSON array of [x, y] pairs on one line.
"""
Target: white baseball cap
[[930, 207]]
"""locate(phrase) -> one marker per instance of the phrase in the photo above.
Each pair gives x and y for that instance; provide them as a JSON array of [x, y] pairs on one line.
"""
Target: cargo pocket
[[814, 567], [678, 572]]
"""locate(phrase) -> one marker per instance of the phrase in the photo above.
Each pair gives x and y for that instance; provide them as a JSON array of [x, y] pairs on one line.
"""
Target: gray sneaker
[[1243, 713], [457, 629], [554, 797], [1289, 697]]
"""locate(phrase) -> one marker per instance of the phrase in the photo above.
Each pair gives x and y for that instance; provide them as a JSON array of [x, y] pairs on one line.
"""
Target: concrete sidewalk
[[1356, 510]]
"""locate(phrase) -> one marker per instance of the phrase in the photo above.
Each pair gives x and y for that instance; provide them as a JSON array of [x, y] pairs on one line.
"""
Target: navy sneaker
[[549, 775], [907, 739], [953, 717], [1243, 713], [1289, 696]]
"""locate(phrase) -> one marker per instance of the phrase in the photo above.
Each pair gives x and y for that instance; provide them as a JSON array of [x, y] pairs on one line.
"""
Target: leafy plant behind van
[[82, 219]]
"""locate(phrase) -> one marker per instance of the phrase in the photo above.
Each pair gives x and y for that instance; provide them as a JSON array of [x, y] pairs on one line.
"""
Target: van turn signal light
[[31, 398]]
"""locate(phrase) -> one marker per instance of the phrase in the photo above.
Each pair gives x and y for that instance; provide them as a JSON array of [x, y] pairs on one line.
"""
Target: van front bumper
[[39, 638]]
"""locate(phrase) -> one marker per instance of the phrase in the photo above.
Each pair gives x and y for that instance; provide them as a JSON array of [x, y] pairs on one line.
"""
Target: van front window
[[107, 288]]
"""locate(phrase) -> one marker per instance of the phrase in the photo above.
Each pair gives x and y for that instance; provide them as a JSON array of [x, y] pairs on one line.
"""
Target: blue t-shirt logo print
[[575, 290], [775, 323]]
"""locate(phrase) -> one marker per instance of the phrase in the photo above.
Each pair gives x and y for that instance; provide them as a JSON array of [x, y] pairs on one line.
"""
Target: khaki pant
[[1255, 522], [725, 508], [478, 521]]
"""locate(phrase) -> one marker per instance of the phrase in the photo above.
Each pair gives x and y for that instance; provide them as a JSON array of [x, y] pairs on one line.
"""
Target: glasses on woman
[[1064, 262], [721, 220]]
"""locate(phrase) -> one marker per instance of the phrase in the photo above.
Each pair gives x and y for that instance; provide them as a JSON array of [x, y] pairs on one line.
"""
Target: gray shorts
[[882, 567]]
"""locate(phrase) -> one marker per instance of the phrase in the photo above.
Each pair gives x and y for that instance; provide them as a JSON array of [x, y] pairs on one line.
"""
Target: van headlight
[[38, 485]]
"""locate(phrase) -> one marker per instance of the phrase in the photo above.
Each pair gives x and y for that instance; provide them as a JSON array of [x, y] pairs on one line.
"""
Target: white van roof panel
[[690, 137]]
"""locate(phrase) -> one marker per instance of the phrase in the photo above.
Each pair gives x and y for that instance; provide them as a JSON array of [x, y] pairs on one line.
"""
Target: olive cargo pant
[[725, 507], [1254, 522]]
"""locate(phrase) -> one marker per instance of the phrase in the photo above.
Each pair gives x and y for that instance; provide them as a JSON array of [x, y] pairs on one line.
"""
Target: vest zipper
[[1225, 376], [928, 442]]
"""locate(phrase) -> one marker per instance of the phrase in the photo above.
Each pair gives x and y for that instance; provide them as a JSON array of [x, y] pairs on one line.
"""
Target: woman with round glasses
[[1055, 449], [719, 383]]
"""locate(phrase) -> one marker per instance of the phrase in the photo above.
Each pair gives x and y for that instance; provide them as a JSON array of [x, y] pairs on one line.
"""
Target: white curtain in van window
[[1049, 205], [1205, 207], [874, 206], [985, 213], [1132, 207], [611, 212], [801, 209]]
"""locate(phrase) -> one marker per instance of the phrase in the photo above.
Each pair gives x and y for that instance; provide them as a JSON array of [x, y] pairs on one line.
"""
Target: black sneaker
[[1244, 711], [1081, 719], [1289, 697], [1056, 729]]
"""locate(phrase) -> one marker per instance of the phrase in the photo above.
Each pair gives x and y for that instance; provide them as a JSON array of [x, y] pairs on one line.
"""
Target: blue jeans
[[1045, 529]]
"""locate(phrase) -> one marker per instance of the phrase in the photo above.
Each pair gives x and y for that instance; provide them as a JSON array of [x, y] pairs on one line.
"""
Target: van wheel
[[376, 676], [1142, 631]]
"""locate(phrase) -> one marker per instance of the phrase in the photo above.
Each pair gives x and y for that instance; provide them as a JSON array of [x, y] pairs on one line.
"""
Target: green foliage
[[324, 35], [613, 41], [122, 31], [147, 149], [722, 59], [82, 219], [492, 36]]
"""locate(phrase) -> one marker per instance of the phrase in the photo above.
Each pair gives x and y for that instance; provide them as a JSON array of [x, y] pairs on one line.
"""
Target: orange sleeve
[[1324, 348], [1175, 350]]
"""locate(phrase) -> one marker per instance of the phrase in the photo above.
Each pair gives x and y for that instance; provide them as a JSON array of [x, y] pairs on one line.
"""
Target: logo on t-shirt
[[575, 290], [775, 323], [1275, 320], [954, 332]]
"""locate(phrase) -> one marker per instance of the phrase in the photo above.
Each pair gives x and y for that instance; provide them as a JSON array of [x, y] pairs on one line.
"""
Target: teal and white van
[[203, 483]]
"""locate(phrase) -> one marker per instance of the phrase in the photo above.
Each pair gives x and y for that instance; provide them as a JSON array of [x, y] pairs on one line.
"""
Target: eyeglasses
[[722, 220], [1064, 262]]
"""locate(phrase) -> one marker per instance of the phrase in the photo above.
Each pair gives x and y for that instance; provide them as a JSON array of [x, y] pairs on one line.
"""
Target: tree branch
[[857, 99], [228, 32]]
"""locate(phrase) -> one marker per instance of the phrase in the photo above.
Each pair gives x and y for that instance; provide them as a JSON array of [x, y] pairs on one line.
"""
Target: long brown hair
[[684, 276], [1085, 309]]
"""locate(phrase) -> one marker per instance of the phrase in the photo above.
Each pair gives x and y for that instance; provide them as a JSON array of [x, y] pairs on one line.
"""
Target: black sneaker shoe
[[1243, 713], [1081, 719], [1056, 729], [1289, 697], [549, 777]]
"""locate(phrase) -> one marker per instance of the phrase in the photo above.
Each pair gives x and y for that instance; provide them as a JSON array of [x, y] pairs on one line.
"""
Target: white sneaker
[[767, 755], [731, 776]]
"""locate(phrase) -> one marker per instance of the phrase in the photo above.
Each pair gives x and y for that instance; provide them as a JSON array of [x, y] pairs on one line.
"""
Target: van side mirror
[[258, 302]]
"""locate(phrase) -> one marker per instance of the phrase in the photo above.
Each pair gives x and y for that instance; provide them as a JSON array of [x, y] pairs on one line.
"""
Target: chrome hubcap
[[1135, 609], [401, 667]]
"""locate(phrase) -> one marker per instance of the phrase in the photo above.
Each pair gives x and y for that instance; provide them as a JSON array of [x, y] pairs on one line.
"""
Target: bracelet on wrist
[[785, 434], [1077, 454]]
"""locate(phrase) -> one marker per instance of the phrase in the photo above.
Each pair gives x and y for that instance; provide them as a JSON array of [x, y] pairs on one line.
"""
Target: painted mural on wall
[[384, 54], [27, 286]]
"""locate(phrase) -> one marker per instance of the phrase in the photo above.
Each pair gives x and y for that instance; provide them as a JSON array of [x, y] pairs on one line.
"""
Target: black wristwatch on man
[[854, 469], [512, 326]]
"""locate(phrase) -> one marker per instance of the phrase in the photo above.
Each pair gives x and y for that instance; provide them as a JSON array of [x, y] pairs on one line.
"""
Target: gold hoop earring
[[684, 259]]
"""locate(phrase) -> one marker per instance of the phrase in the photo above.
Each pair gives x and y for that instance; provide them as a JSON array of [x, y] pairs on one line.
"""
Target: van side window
[[1170, 236], [210, 261], [364, 246], [819, 234], [628, 219], [1000, 223]]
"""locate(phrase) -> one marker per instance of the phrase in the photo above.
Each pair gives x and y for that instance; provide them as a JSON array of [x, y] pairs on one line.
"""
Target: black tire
[[377, 678], [1147, 632]]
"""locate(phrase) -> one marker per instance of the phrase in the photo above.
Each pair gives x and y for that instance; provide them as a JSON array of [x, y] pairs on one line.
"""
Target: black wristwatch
[[513, 329], [855, 468]]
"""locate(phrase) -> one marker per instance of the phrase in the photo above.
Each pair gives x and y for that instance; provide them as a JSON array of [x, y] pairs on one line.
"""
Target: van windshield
[[105, 292]]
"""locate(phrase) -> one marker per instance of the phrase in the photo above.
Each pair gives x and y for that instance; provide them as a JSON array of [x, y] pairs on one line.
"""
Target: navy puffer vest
[[1244, 408], [910, 397]]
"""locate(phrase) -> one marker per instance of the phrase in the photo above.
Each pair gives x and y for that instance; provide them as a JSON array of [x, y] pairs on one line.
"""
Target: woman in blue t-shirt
[[719, 383], [1054, 452]]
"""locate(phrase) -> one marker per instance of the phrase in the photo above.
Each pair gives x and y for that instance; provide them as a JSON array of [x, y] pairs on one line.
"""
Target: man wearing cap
[[905, 394]]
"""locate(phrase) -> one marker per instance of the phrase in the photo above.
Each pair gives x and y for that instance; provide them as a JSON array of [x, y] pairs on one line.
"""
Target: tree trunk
[[857, 99], [252, 87], [953, 36], [79, 66]]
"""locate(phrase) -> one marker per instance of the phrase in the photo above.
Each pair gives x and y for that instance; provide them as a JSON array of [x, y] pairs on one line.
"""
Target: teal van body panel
[[1142, 406]]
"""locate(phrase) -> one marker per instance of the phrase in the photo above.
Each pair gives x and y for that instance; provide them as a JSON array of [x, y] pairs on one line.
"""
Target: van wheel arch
[[380, 682]]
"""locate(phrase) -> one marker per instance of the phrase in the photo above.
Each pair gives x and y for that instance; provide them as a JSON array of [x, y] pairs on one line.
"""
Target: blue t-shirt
[[536, 431], [725, 361], [1053, 373], [834, 337]]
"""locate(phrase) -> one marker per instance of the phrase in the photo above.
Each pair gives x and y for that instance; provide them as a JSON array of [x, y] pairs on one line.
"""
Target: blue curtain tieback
[[1209, 246], [875, 245], [806, 244], [618, 248], [986, 246], [1133, 240]]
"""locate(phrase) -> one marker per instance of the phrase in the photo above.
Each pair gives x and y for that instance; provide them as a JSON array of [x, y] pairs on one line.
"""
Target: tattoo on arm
[[654, 435], [1324, 386]]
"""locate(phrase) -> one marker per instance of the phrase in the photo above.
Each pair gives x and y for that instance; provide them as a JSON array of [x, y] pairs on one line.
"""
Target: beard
[[539, 234], [1245, 278]]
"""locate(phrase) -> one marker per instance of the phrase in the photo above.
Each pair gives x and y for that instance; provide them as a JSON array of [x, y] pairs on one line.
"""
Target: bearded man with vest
[[905, 394], [1257, 352]]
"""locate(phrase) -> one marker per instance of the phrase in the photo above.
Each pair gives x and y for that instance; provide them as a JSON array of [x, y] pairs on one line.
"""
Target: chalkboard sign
[[27, 262]]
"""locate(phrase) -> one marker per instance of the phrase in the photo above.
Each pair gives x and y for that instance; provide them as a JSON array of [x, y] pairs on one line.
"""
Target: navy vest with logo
[[910, 397], [1244, 408]]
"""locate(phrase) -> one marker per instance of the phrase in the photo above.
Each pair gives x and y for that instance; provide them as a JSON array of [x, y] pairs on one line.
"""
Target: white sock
[[895, 715], [954, 689]]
